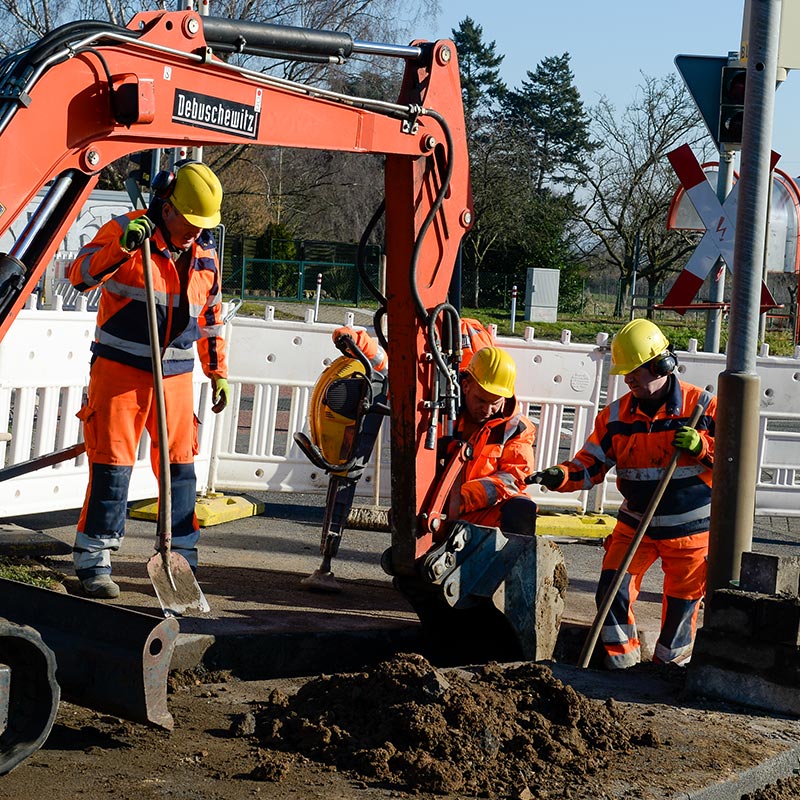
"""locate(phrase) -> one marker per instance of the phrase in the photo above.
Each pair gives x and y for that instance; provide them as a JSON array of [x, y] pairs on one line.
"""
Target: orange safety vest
[[185, 316], [502, 457], [640, 447]]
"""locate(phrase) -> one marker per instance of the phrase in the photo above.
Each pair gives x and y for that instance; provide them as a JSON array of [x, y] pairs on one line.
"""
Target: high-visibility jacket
[[185, 314], [640, 447], [502, 456]]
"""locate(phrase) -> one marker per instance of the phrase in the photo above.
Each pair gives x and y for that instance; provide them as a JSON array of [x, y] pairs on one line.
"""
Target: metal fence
[[284, 279]]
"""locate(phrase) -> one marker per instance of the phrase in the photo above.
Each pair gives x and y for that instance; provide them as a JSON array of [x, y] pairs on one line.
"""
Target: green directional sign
[[703, 78]]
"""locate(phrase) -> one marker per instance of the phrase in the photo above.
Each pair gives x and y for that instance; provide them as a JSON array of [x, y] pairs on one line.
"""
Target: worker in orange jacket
[[502, 437], [493, 480], [120, 403], [638, 434]]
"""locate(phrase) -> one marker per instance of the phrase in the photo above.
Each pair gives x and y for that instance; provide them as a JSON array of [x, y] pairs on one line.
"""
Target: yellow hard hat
[[637, 343], [494, 370], [197, 195]]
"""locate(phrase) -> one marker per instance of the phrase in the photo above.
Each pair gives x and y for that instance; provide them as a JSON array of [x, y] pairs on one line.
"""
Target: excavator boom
[[90, 93]]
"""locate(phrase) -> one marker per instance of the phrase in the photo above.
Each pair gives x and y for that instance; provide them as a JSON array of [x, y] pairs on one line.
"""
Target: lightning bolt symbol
[[721, 228]]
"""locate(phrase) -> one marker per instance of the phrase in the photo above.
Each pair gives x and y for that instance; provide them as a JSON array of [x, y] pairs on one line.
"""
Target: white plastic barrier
[[44, 369], [273, 367]]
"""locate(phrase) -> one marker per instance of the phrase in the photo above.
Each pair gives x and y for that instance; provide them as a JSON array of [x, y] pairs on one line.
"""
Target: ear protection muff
[[663, 364], [164, 181]]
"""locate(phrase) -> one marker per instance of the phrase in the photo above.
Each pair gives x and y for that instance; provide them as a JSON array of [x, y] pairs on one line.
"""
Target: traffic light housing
[[731, 106], [142, 163]]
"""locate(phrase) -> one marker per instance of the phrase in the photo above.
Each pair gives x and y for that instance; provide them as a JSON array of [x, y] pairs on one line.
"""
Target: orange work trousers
[[119, 407], [683, 562]]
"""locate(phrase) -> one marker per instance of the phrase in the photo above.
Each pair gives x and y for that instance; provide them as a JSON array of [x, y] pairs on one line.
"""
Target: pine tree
[[550, 122], [479, 68]]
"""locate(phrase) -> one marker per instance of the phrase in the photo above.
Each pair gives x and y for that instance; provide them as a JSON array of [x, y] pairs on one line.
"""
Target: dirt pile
[[500, 731]]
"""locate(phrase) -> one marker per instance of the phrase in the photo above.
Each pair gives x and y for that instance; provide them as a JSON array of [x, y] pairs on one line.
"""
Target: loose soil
[[405, 729]]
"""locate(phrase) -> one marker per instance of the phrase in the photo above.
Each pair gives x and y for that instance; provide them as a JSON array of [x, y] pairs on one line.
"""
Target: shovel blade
[[175, 585]]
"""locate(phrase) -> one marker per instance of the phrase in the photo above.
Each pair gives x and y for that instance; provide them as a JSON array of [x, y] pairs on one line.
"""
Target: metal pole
[[636, 251], [316, 298], [762, 325], [717, 288], [513, 307], [736, 448]]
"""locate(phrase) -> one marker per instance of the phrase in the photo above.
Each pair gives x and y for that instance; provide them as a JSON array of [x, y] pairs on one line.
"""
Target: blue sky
[[611, 44]]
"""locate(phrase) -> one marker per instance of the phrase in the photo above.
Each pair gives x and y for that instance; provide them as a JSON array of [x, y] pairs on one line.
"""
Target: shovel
[[172, 577], [644, 524]]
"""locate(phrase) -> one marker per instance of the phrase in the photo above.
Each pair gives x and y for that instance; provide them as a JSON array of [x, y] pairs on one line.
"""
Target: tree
[[482, 89], [629, 183], [549, 123], [479, 68]]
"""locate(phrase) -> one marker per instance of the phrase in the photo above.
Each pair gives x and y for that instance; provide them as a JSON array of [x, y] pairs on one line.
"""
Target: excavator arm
[[90, 93]]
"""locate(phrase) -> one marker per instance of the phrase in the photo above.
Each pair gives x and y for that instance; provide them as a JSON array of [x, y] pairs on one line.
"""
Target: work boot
[[100, 587]]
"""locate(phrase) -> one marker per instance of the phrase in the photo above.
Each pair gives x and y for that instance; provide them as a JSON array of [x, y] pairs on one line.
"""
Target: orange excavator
[[90, 92]]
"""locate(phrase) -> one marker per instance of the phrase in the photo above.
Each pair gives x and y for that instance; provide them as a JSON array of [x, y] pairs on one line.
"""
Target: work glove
[[362, 340], [688, 439], [221, 394], [550, 478], [137, 231]]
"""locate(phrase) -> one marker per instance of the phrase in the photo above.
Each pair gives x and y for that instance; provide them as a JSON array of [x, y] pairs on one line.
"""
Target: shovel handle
[[644, 524], [164, 485]]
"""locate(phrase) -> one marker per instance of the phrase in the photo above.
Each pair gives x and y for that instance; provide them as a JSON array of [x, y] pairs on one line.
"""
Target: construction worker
[[120, 402], [490, 418], [502, 437], [638, 434]]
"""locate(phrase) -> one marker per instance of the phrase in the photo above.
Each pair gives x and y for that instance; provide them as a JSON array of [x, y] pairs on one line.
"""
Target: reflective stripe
[[88, 279], [656, 473], [507, 479], [208, 331], [670, 520], [675, 655], [139, 293], [178, 354], [490, 489], [619, 633]]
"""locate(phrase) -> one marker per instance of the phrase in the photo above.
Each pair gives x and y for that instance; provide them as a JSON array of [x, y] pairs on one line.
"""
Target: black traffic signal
[[142, 163], [731, 105]]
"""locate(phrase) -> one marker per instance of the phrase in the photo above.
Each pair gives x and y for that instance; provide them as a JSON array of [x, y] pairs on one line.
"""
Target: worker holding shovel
[[660, 438], [183, 279]]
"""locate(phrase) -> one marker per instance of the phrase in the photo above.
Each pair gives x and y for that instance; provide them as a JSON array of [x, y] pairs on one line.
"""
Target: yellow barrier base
[[213, 509], [586, 526]]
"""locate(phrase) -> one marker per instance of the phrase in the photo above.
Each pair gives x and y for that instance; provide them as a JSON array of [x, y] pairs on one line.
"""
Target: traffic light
[[142, 162], [731, 106]]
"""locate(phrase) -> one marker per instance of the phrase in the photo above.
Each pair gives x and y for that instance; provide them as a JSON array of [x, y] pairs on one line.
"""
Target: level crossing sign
[[719, 220]]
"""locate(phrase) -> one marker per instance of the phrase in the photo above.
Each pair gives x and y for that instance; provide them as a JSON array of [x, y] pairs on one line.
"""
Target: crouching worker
[[638, 434], [490, 418], [502, 437]]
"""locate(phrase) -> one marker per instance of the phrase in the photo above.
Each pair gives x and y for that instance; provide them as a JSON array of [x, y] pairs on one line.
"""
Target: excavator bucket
[[483, 594], [109, 659]]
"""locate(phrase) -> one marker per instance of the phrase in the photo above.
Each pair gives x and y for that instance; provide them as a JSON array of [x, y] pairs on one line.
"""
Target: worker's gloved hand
[[344, 331], [221, 394], [362, 340], [550, 478], [137, 231], [688, 439]]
